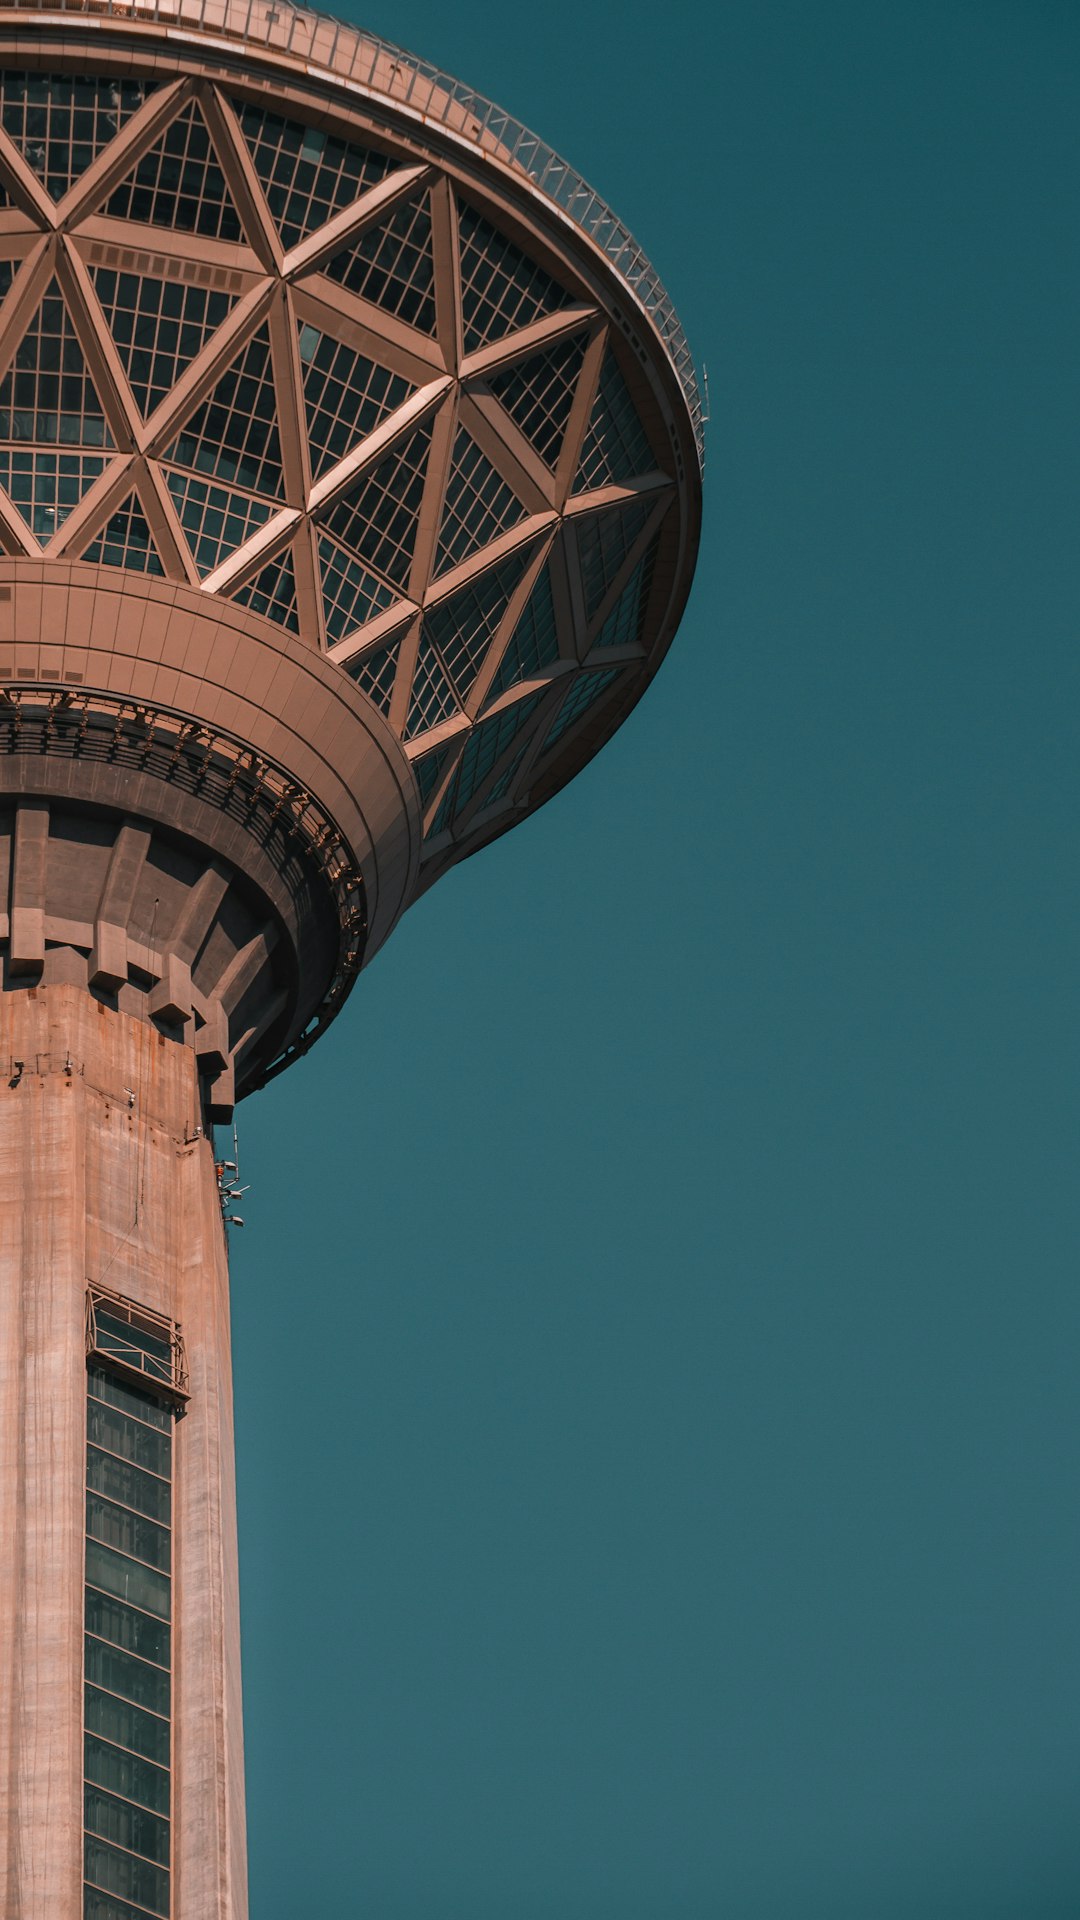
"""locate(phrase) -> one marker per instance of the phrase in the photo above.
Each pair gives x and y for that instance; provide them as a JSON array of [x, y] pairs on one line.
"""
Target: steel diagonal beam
[[352, 221], [122, 153]]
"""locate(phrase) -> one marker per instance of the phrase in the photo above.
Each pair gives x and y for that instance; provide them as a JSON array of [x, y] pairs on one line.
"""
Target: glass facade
[[128, 1631], [320, 444]]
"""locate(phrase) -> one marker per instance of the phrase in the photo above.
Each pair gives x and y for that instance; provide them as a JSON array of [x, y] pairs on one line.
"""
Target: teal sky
[[656, 1322]]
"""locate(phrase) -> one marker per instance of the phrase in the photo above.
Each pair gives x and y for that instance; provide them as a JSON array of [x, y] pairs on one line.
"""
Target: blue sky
[[656, 1319]]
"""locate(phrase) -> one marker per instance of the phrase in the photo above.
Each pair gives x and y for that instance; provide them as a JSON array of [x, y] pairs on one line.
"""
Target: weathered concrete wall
[[104, 1177]]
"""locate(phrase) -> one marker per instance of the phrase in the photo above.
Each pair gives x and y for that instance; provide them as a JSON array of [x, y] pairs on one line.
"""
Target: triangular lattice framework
[[538, 394], [48, 395], [273, 592], [351, 595], [149, 273], [346, 395], [502, 290], [61, 122], [604, 540], [126, 541], [179, 184], [432, 700], [582, 694], [393, 266], [464, 625], [45, 487], [375, 673], [158, 327], [534, 643], [616, 447], [234, 434], [479, 505], [378, 517], [305, 173], [217, 520]]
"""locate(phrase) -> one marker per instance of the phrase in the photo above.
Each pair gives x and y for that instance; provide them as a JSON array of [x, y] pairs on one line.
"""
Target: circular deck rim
[[335, 52]]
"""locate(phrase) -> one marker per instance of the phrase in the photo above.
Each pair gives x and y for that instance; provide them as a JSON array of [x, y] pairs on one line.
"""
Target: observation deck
[[349, 497]]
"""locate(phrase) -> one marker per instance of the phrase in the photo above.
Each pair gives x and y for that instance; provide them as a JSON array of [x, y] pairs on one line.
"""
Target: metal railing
[[349, 55]]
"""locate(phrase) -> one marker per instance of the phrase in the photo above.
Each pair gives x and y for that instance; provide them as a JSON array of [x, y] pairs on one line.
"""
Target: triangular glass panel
[[60, 122], [234, 434], [47, 394], [464, 625], [375, 672], [306, 175], [533, 644], [586, 689], [7, 272], [44, 487], [392, 265], [622, 628], [432, 695], [158, 327], [487, 743], [479, 505], [428, 771], [215, 520], [616, 446], [378, 517], [538, 394], [502, 290], [604, 541], [506, 779], [178, 183], [273, 592], [345, 396], [351, 595], [126, 541]]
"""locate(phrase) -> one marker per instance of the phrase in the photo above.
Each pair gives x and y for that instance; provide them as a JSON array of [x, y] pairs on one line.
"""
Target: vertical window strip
[[127, 1814]]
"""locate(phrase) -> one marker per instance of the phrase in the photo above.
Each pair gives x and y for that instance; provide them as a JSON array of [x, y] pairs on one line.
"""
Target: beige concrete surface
[[105, 1178]]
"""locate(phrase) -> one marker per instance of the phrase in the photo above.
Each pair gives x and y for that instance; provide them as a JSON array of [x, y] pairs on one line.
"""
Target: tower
[[349, 497]]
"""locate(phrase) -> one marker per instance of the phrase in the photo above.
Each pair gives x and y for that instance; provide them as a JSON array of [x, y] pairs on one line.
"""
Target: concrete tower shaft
[[349, 499]]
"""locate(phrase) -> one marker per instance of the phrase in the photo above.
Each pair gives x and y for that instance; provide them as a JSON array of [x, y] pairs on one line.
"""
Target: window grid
[[392, 266], [479, 505], [585, 690], [126, 541], [464, 625], [378, 518], [273, 592], [486, 744], [158, 327], [534, 642], [234, 434], [539, 393], [128, 1642], [443, 811], [375, 672], [429, 770], [44, 487], [506, 779], [178, 183], [47, 395], [216, 521], [432, 695], [622, 628], [604, 541], [61, 124], [306, 174], [351, 595], [616, 446], [346, 394], [501, 289]]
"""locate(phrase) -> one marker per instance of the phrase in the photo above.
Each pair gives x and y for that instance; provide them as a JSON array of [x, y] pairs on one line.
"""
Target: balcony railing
[[364, 60]]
